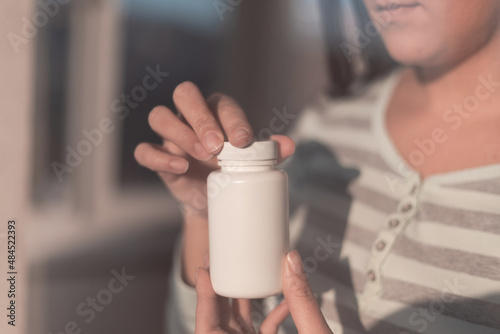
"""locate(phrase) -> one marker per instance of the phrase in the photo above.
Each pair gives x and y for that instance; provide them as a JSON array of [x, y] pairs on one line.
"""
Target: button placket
[[379, 251], [395, 223]]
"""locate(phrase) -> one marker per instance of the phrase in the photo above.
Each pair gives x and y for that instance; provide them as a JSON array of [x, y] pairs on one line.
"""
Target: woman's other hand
[[215, 314]]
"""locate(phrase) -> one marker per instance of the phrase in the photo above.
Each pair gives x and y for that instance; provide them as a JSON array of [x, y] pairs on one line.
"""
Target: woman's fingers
[[213, 312], [192, 105], [275, 318], [173, 149], [242, 311], [232, 118], [154, 158], [201, 135], [207, 308], [286, 146], [163, 121], [305, 310]]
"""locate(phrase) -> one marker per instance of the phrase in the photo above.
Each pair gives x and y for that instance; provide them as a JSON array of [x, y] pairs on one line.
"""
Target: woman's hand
[[190, 141], [186, 157], [215, 315]]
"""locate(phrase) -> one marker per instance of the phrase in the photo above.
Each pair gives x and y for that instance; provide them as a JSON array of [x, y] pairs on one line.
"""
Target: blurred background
[[78, 79]]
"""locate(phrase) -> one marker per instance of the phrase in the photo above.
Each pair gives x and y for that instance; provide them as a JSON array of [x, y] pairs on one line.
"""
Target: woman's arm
[[194, 246]]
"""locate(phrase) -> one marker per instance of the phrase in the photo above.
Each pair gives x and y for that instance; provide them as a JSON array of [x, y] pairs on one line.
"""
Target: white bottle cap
[[258, 150]]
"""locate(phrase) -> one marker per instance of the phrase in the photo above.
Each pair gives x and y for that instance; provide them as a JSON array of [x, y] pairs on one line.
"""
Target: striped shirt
[[384, 250]]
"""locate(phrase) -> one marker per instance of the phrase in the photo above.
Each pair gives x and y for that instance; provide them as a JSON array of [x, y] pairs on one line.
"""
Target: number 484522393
[[11, 244]]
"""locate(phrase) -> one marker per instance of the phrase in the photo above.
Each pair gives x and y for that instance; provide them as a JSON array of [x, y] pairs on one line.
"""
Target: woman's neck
[[439, 89], [462, 104]]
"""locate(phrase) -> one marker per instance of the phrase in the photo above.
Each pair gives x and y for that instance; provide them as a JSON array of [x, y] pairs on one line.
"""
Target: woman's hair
[[376, 60]]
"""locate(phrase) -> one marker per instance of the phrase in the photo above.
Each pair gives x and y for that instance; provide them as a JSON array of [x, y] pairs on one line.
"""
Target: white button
[[380, 245], [406, 207], [394, 222]]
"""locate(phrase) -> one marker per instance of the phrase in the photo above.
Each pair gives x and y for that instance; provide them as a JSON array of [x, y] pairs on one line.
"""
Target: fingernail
[[201, 152], [295, 262], [241, 135], [180, 166], [212, 141]]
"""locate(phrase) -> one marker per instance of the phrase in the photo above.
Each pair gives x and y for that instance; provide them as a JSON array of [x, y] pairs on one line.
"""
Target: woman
[[403, 235]]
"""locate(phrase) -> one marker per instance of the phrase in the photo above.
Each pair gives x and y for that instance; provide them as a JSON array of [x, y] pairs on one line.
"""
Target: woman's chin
[[410, 59], [417, 54], [427, 57]]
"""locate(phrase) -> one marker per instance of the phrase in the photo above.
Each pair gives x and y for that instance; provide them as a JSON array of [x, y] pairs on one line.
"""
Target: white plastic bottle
[[248, 221]]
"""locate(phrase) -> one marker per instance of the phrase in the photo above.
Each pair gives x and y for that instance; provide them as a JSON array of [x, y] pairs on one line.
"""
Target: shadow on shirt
[[318, 182], [321, 184]]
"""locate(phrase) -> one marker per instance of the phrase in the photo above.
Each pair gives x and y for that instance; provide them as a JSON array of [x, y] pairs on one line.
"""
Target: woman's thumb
[[303, 307]]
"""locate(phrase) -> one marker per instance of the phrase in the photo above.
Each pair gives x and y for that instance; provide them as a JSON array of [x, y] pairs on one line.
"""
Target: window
[[50, 113], [183, 38]]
